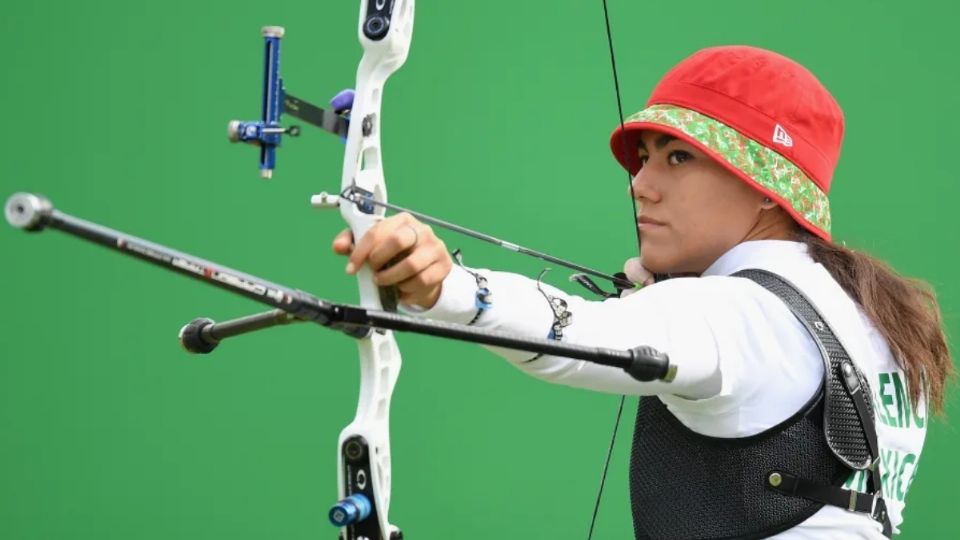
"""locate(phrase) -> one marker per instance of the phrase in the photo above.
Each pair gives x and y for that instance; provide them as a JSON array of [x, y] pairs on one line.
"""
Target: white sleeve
[[672, 317]]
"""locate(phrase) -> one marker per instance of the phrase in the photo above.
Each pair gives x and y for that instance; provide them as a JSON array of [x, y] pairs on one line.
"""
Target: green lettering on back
[[886, 400], [894, 484], [886, 456], [917, 419], [850, 480], [907, 459], [857, 481], [903, 404], [916, 465]]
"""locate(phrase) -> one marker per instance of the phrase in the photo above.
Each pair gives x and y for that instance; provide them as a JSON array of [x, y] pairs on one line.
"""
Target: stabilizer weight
[[27, 211], [193, 339]]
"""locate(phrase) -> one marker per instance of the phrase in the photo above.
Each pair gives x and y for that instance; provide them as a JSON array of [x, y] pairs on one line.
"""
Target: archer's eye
[[643, 160], [678, 156]]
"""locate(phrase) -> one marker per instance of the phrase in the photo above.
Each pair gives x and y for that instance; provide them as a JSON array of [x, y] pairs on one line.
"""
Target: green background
[[499, 120]]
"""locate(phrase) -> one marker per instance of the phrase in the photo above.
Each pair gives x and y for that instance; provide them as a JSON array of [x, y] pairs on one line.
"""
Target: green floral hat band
[[758, 165]]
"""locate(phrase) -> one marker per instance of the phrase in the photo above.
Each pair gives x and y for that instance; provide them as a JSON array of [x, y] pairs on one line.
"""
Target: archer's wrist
[[455, 301]]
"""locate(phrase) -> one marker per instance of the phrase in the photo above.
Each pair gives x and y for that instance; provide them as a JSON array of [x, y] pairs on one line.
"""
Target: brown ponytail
[[904, 310]]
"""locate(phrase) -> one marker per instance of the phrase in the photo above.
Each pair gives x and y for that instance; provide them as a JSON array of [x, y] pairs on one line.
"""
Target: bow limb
[[363, 456]]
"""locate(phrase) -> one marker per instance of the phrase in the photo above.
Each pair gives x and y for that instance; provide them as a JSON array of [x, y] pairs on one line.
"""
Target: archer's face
[[691, 210]]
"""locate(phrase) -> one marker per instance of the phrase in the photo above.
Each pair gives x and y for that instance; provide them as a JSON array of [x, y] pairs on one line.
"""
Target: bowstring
[[633, 218]]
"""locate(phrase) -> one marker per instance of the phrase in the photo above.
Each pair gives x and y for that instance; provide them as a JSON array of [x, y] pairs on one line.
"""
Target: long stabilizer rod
[[35, 213]]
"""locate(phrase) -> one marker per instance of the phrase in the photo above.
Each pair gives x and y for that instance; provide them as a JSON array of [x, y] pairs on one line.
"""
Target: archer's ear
[[768, 204]]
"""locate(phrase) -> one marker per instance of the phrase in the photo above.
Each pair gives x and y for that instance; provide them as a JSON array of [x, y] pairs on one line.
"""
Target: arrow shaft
[[359, 198]]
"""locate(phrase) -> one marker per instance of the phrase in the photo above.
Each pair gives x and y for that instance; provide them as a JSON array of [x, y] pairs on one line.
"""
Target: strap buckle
[[875, 503], [855, 497], [878, 508], [877, 512]]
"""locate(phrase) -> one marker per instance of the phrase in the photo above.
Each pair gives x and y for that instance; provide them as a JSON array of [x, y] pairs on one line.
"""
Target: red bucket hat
[[762, 116]]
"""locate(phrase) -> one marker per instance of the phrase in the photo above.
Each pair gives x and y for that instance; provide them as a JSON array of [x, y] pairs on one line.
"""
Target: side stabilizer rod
[[202, 335]]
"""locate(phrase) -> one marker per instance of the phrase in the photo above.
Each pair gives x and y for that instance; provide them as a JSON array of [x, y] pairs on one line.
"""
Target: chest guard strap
[[849, 422]]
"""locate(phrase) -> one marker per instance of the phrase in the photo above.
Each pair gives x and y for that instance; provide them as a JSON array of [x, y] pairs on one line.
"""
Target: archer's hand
[[402, 252]]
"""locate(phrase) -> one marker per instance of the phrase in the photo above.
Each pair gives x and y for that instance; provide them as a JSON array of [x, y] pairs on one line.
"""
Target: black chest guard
[[684, 485]]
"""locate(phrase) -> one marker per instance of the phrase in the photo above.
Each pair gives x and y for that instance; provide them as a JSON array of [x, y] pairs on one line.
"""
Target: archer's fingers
[[409, 266], [343, 242], [424, 288], [404, 239], [385, 241], [635, 271], [369, 242]]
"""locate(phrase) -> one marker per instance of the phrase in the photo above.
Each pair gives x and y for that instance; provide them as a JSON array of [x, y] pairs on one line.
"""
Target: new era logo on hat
[[780, 136]]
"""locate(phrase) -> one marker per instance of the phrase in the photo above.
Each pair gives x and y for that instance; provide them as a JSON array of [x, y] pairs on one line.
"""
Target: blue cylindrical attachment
[[353, 509], [270, 111], [272, 98]]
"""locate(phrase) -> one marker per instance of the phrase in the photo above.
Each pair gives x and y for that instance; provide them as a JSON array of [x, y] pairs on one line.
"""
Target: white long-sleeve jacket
[[744, 362]]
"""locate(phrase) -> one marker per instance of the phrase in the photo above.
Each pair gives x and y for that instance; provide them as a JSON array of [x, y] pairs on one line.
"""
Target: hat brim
[[767, 172]]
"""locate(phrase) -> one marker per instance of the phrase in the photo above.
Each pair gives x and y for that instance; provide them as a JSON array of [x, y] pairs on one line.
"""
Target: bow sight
[[267, 132]]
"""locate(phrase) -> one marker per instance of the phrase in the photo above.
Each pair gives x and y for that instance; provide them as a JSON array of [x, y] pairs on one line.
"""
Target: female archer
[[805, 369]]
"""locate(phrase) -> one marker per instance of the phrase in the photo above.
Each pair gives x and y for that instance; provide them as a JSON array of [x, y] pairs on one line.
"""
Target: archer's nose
[[641, 188]]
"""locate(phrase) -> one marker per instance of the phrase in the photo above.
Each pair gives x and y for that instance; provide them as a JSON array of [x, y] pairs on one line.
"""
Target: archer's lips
[[645, 222]]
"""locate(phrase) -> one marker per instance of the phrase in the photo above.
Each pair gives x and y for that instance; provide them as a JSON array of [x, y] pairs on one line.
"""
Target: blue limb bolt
[[353, 509]]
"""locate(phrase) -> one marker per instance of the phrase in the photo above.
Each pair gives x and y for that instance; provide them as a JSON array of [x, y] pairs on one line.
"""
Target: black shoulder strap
[[848, 415]]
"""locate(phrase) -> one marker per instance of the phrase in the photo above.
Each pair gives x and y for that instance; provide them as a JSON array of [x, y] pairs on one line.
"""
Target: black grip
[[648, 364]]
